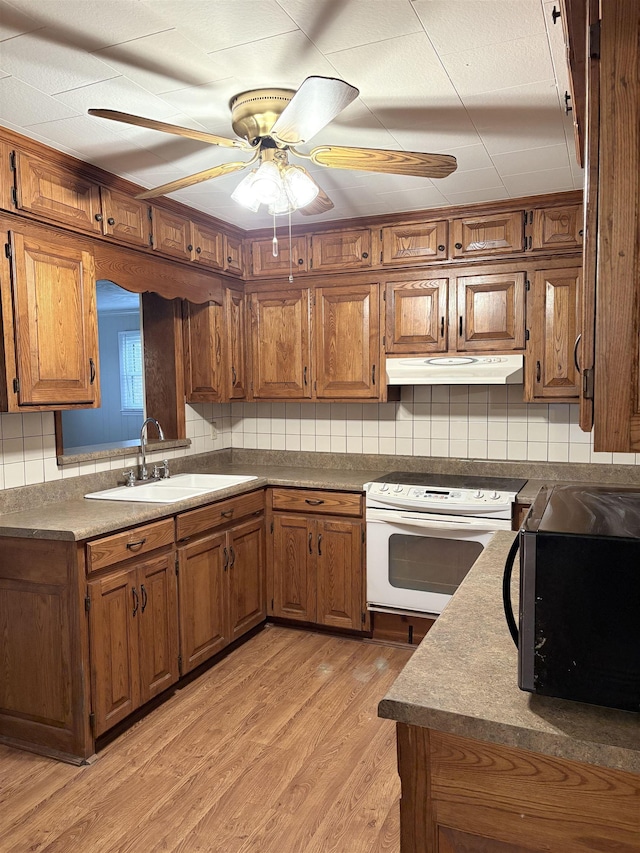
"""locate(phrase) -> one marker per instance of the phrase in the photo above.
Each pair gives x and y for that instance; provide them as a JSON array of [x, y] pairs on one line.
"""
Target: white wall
[[479, 422]]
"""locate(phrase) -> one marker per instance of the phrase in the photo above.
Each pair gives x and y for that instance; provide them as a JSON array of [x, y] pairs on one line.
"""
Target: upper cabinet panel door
[[557, 227], [342, 250], [125, 218], [416, 316], [281, 344], [203, 355], [207, 246], [56, 193], [233, 261], [496, 234], [265, 263], [55, 317], [347, 341], [490, 312], [414, 244], [235, 331], [171, 233]]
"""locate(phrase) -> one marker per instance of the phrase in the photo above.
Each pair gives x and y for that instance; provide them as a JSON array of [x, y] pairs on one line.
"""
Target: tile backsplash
[[468, 422]]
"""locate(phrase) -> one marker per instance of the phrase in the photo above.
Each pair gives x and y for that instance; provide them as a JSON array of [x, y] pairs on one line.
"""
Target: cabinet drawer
[[310, 500], [131, 543], [197, 521]]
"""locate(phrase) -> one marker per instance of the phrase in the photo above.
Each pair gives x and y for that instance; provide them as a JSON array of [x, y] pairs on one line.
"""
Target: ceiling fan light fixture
[[267, 184], [299, 187], [244, 194], [282, 204]]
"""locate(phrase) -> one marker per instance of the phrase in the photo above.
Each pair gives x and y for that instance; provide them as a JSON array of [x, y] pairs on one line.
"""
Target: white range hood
[[455, 370]]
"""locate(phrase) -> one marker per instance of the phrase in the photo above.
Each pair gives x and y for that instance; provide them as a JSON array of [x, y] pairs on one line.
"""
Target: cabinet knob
[[441, 248], [198, 250], [229, 259], [458, 245], [365, 255], [98, 217], [300, 261], [581, 232], [189, 248], [111, 221]]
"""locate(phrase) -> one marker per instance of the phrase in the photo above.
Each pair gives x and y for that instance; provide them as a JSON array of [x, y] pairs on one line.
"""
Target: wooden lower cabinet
[[461, 795], [316, 563], [133, 630]]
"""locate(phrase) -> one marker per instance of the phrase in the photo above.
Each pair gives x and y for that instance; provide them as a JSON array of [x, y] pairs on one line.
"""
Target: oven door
[[416, 561]]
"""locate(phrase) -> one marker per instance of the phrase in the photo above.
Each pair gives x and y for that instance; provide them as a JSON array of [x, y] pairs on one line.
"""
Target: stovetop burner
[[453, 481]]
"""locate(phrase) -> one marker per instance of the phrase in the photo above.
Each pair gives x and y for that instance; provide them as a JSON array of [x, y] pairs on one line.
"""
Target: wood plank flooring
[[276, 749]]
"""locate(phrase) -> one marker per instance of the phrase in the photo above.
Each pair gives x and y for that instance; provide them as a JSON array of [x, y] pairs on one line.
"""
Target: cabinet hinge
[[311, 262], [7, 249], [271, 527], [364, 617], [384, 293], [594, 40], [363, 535], [149, 213], [87, 604], [526, 334], [527, 285], [587, 383], [16, 386], [151, 239], [272, 604], [177, 564], [12, 161], [180, 663], [380, 257], [14, 197], [384, 340], [92, 723]]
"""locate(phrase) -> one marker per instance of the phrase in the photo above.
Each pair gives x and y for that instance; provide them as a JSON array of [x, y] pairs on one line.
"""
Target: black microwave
[[579, 610]]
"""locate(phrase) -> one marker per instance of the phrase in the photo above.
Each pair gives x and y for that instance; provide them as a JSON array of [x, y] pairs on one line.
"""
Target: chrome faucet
[[142, 469]]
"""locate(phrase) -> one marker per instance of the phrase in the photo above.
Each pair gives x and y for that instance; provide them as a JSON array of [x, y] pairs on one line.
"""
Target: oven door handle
[[461, 522]]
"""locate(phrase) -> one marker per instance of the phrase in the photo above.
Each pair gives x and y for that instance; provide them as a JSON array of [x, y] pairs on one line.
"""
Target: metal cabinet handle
[[567, 108], [320, 544], [233, 558], [575, 352], [227, 513], [226, 559], [310, 540], [234, 376], [144, 597], [460, 326], [555, 14], [136, 600], [131, 546], [92, 368], [313, 502], [442, 327], [538, 372], [304, 375], [373, 374]]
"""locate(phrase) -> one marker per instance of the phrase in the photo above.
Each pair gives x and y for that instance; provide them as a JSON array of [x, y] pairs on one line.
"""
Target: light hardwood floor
[[276, 749]]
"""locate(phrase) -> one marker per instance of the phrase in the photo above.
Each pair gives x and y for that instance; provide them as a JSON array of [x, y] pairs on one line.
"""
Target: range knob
[[479, 494], [397, 488], [495, 496], [384, 487]]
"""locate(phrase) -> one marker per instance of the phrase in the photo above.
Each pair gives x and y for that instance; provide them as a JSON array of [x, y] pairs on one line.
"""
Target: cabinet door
[[55, 318], [340, 573], [236, 359], [496, 234], [552, 309], [490, 312], [124, 217], [293, 562], [171, 233], [55, 193], [416, 316], [202, 586], [280, 344], [347, 341], [158, 625], [557, 228], [113, 630], [203, 356], [342, 250], [264, 263], [207, 246], [415, 243], [233, 255], [247, 601]]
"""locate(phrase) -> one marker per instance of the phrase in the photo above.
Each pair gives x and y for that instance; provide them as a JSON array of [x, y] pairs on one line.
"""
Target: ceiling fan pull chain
[[275, 239], [290, 252]]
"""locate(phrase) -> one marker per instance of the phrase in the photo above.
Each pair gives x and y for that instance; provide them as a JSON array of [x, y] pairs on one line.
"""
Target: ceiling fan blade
[[152, 124], [314, 105], [380, 160], [190, 180]]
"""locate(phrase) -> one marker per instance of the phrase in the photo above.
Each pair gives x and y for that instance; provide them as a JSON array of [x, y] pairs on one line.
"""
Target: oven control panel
[[438, 498]]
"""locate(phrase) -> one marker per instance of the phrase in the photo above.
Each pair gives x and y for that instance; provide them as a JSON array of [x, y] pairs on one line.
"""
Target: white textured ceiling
[[483, 80]]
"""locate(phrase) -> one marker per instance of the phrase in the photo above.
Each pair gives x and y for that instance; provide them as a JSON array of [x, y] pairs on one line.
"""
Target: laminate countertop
[[462, 679]]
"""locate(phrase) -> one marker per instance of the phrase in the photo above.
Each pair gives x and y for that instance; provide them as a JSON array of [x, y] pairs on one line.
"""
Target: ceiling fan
[[269, 124]]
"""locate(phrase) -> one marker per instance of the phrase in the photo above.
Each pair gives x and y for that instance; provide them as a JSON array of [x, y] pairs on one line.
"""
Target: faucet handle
[[129, 478], [165, 469]]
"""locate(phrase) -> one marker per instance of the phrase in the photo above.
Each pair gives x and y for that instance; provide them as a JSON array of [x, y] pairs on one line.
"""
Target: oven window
[[430, 564]]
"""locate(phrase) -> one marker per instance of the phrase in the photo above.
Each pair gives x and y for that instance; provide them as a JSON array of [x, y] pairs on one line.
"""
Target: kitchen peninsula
[[487, 767]]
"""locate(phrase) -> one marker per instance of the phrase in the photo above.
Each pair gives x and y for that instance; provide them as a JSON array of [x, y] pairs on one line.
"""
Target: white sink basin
[[174, 489]]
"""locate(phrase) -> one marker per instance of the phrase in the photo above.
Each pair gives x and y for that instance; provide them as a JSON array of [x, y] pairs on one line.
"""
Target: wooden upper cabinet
[[55, 321], [495, 234], [414, 244], [171, 233], [556, 227], [490, 312], [56, 193], [207, 246], [236, 344], [203, 352], [416, 315], [264, 263], [347, 341], [553, 317], [124, 218], [341, 250], [233, 260], [280, 342]]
